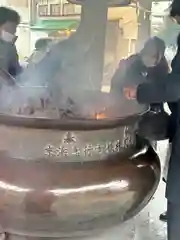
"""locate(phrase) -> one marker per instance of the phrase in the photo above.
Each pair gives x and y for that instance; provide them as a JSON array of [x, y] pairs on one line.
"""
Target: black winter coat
[[174, 106], [133, 71], [167, 90]]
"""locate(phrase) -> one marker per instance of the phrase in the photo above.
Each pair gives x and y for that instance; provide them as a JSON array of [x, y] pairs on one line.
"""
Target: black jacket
[[134, 72], [175, 105], [167, 90]]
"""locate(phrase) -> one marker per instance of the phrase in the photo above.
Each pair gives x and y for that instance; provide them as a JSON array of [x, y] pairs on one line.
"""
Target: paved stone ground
[[145, 226]]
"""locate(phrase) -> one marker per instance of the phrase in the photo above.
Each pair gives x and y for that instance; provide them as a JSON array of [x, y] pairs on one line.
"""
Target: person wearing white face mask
[[9, 62]]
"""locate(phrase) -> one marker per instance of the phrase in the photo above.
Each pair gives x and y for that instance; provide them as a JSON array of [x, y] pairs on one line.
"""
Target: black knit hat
[[156, 43], [8, 15]]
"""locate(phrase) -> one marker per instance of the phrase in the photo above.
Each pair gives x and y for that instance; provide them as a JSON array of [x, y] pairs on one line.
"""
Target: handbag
[[154, 125]]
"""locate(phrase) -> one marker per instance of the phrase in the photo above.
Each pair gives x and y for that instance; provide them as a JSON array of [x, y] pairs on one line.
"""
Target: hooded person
[[149, 63], [42, 45]]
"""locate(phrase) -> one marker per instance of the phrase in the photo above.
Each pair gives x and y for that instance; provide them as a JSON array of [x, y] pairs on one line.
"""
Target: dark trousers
[[173, 222]]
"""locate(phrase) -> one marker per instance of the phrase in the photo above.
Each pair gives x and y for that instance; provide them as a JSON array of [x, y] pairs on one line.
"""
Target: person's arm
[[4, 74], [40, 72], [3, 62], [14, 65], [167, 90]]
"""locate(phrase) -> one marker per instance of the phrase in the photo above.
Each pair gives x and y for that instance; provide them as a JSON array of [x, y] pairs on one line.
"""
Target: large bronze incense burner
[[71, 183], [68, 175]]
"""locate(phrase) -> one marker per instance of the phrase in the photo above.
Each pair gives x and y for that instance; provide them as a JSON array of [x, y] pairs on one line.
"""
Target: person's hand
[[130, 92]]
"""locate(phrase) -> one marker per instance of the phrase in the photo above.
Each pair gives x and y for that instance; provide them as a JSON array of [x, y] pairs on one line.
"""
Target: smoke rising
[[62, 76], [62, 82]]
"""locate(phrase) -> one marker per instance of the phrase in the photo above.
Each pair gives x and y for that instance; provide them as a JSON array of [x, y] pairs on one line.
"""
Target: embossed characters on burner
[[69, 138], [88, 150], [70, 147]]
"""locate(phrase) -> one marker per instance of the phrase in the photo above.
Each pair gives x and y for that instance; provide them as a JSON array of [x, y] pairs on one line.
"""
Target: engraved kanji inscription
[[64, 152], [76, 151], [98, 148], [49, 150], [88, 150], [59, 151], [69, 138], [117, 146], [69, 146], [128, 139], [109, 147]]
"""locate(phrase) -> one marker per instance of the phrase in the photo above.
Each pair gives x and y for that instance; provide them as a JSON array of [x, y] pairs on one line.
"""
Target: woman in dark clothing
[[149, 64]]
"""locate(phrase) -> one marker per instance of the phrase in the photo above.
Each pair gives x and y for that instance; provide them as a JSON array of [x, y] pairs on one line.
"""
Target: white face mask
[[7, 37]]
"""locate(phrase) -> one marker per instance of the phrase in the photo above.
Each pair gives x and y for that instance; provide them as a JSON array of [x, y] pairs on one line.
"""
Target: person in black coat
[[167, 90], [42, 45], [174, 106], [9, 60], [149, 64], [174, 114]]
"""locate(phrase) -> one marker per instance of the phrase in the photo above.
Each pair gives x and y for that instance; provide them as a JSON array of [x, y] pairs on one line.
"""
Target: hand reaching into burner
[[130, 92]]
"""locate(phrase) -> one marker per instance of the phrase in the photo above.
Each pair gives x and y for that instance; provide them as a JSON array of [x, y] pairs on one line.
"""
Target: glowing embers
[[101, 115]]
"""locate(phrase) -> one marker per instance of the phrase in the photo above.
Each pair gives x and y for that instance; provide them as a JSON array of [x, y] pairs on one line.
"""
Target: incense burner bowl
[[72, 179]]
